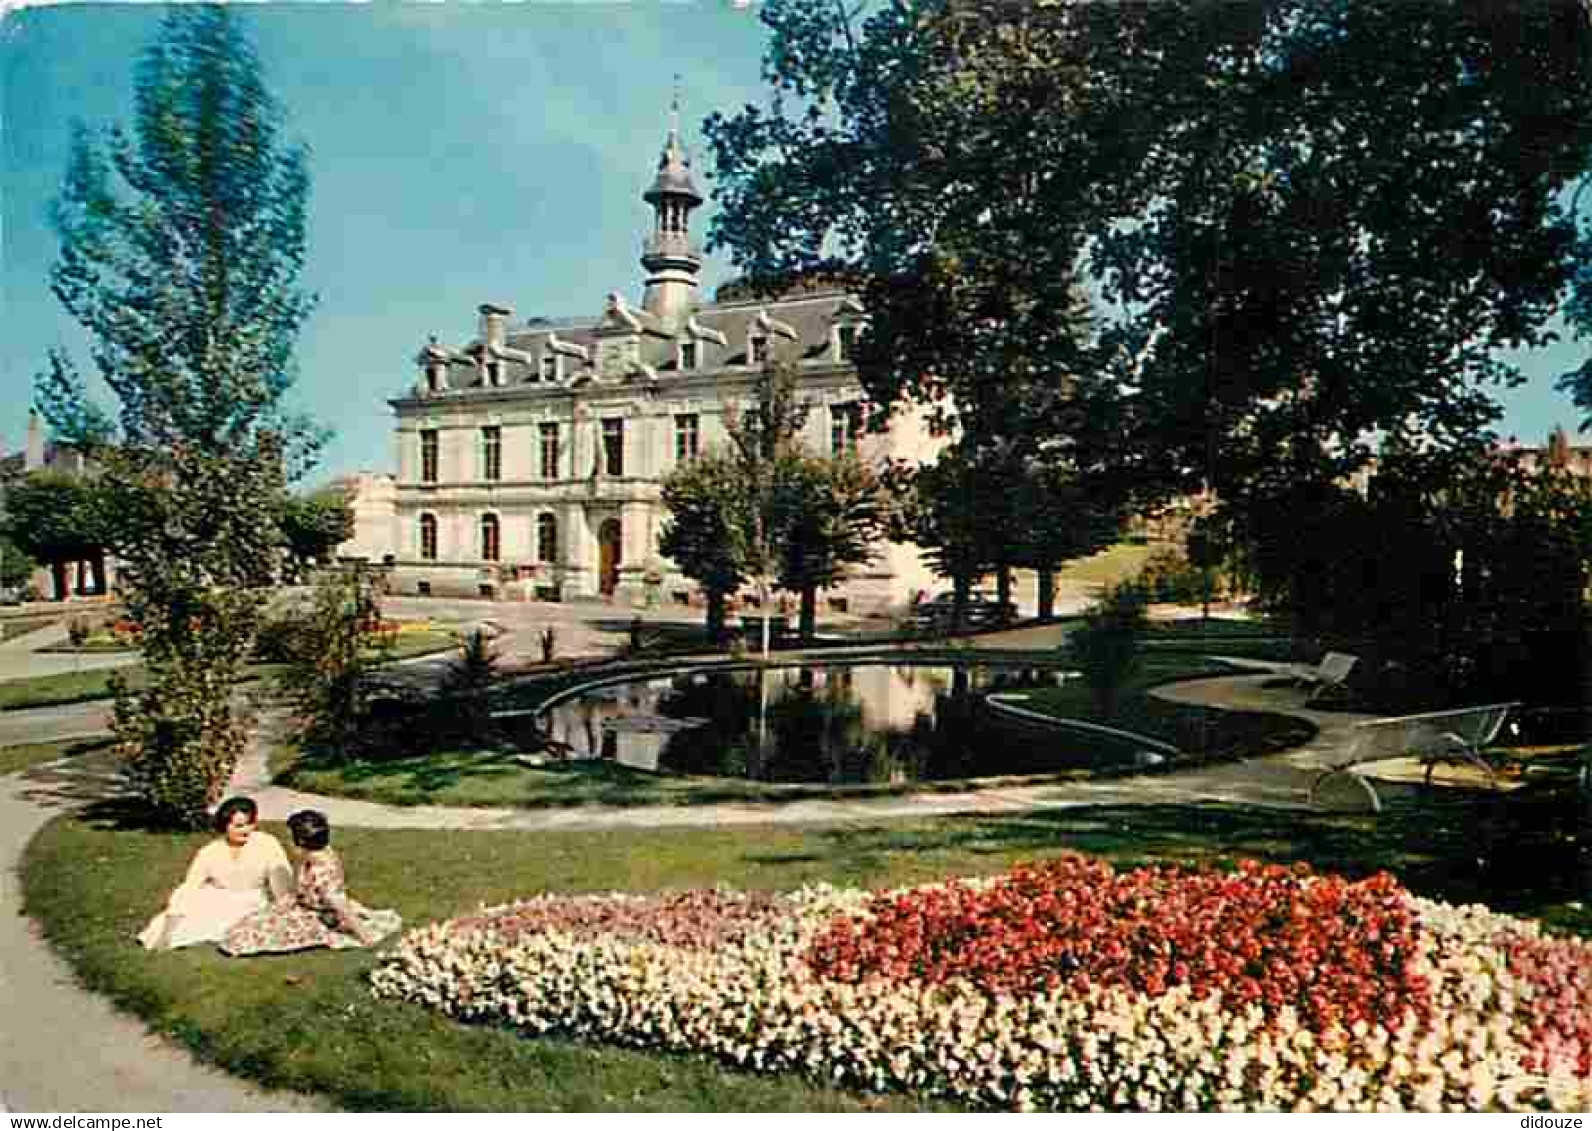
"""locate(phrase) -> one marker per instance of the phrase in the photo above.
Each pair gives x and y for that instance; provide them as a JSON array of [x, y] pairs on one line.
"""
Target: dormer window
[[434, 377], [549, 366], [757, 349], [494, 373], [845, 342], [688, 355]]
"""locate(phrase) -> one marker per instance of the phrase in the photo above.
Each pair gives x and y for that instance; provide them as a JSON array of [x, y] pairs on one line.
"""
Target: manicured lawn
[[1110, 566], [15, 759], [309, 1022], [20, 626], [81, 687], [63, 687]]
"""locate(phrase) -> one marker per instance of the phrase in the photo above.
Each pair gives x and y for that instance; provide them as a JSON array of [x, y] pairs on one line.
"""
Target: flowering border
[[1495, 1017]]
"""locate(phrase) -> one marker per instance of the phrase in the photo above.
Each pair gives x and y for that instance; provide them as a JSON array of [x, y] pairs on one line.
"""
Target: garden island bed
[[310, 1021]]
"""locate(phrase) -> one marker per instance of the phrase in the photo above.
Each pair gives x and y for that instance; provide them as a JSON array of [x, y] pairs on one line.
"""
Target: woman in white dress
[[240, 872]]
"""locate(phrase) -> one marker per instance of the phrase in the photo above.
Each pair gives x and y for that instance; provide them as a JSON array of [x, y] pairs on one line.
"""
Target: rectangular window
[[549, 451], [688, 355], [549, 367], [845, 426], [757, 351], [614, 447], [845, 342], [492, 453], [685, 437], [428, 455]]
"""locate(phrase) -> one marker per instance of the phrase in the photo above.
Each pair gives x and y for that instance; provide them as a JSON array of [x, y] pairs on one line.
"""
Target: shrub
[[332, 648], [470, 677], [1106, 646], [277, 640], [177, 736], [77, 631]]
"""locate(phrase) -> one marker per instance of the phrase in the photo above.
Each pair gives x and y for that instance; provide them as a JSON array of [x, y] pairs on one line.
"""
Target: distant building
[[530, 459], [79, 578], [371, 497]]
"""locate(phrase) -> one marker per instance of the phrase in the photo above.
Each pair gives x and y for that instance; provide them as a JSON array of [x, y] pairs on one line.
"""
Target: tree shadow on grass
[[1517, 854]]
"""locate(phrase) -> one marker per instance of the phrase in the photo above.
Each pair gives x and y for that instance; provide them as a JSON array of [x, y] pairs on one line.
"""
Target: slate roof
[[804, 322]]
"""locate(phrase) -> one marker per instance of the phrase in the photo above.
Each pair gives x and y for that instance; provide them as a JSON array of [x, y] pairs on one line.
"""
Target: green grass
[[63, 687], [1110, 566], [86, 686], [15, 759], [412, 644], [91, 647], [308, 1022], [19, 626]]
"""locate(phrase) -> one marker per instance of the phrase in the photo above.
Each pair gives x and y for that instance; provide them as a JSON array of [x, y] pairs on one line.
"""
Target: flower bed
[[1066, 985]]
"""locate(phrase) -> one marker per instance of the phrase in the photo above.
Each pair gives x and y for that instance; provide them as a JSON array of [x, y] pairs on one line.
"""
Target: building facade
[[530, 460]]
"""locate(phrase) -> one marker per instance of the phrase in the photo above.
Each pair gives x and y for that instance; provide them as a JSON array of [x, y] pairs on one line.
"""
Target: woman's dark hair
[[230, 808], [310, 829]]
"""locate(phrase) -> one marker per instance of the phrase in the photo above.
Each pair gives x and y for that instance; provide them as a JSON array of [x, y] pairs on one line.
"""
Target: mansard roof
[[800, 327]]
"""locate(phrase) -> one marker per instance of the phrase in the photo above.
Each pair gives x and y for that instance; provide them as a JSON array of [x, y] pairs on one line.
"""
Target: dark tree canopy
[[1307, 220]]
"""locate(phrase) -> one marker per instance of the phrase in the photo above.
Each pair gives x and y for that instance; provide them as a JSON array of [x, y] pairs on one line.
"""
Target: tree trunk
[[97, 565], [715, 616], [1003, 590], [961, 586], [1047, 592], [809, 611], [63, 588]]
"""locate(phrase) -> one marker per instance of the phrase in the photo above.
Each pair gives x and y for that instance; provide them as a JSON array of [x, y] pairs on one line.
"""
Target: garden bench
[[1333, 669], [1457, 737]]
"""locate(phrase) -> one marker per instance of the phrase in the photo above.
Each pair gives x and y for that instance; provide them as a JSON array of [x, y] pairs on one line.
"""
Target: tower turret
[[668, 255]]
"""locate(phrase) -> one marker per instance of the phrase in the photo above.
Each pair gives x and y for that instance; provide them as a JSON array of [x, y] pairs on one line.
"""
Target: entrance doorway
[[608, 535]]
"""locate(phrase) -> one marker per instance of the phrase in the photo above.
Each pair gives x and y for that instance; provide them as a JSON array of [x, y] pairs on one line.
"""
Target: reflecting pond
[[826, 723]]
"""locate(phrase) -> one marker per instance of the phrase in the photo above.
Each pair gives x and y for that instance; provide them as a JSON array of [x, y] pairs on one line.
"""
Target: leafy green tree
[[696, 534], [313, 526], [181, 246], [834, 516], [16, 565], [1309, 221], [942, 507], [57, 519]]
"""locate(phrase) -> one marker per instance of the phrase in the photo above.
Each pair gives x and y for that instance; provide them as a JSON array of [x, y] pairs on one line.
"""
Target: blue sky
[[462, 153]]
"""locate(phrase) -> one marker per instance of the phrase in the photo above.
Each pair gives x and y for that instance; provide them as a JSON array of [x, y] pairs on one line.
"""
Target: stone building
[[530, 460]]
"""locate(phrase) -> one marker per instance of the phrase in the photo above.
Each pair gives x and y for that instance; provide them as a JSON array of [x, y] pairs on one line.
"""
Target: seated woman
[[319, 913], [235, 875]]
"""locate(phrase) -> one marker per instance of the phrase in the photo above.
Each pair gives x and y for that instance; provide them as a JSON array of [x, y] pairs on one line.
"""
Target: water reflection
[[836, 724]]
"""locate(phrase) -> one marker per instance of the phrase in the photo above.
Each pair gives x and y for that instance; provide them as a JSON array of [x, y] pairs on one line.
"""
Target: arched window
[[491, 544], [428, 537], [547, 538]]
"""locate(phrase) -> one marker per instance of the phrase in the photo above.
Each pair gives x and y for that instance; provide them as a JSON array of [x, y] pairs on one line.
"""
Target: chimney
[[33, 454], [495, 323]]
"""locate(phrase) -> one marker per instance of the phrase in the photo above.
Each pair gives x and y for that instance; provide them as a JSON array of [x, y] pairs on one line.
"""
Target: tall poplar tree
[[181, 245]]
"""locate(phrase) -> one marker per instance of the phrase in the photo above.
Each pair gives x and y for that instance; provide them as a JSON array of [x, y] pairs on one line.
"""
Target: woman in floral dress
[[319, 913]]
